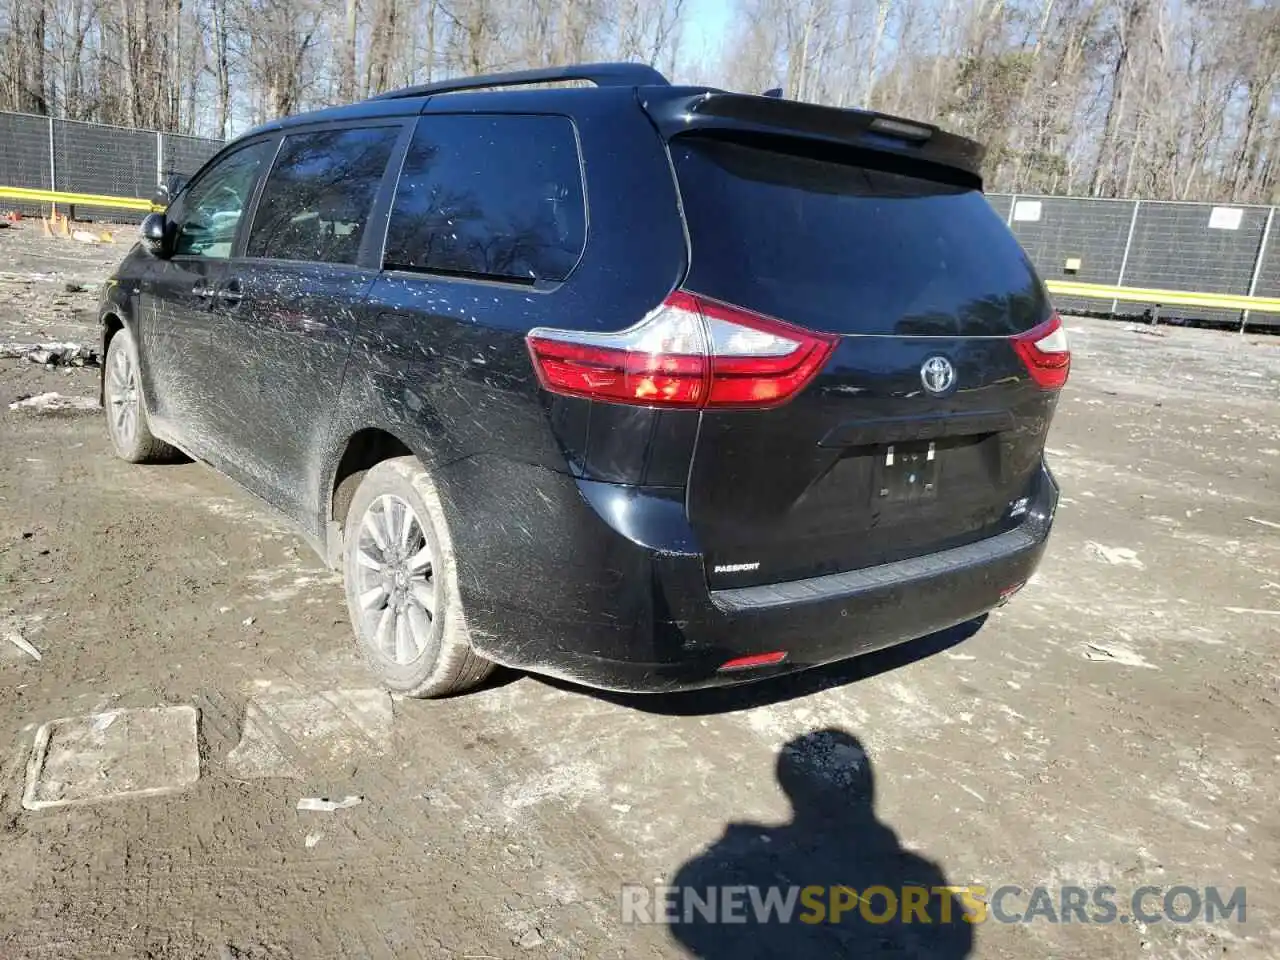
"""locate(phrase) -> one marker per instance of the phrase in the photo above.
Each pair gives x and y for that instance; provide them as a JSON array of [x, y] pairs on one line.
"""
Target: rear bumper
[[615, 596]]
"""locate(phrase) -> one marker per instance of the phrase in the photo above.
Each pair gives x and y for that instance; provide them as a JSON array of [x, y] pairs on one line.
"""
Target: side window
[[494, 197], [212, 208], [317, 197]]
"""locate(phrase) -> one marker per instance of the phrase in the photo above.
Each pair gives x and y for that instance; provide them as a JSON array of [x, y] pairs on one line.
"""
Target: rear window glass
[[490, 197], [846, 249], [316, 201]]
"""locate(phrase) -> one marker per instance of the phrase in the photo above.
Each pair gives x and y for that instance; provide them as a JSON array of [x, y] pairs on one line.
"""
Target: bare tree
[[1161, 98]]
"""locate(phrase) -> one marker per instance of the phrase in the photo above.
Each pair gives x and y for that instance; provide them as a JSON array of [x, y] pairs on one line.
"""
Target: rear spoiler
[[680, 111]]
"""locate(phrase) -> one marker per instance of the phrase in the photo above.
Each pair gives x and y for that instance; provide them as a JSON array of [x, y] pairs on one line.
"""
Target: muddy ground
[[1116, 724]]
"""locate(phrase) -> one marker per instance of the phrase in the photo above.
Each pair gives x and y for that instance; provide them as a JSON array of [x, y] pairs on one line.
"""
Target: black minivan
[[646, 386]]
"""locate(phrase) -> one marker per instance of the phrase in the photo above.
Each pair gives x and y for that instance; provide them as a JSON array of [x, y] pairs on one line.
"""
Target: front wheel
[[126, 410], [402, 586]]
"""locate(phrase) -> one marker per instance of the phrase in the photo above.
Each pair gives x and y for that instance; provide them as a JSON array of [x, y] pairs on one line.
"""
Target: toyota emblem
[[938, 375]]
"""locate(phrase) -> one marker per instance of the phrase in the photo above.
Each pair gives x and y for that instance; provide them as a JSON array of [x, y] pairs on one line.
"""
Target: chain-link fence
[[72, 156], [1197, 247]]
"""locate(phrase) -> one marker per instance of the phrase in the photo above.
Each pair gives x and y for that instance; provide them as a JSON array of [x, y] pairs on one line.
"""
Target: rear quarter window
[[492, 197], [315, 204], [850, 249]]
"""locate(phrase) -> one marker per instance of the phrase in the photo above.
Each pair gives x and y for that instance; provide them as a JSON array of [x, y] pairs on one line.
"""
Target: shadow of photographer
[[855, 891]]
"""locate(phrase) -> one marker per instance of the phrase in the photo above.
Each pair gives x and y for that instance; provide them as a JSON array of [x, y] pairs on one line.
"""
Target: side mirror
[[153, 233]]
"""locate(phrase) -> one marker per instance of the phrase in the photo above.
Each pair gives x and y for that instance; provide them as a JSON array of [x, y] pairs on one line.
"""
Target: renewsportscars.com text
[[1102, 904]]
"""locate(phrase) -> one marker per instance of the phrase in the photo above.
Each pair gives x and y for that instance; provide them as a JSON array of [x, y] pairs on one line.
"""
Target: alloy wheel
[[123, 405], [395, 580]]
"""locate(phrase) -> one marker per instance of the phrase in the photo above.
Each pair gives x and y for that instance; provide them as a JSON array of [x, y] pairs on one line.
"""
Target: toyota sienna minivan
[[646, 386]]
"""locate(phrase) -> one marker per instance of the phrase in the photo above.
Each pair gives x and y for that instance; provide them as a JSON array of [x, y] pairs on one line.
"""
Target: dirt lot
[[1116, 724]]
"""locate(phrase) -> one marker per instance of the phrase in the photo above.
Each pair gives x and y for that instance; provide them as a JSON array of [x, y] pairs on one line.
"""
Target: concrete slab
[[292, 736], [112, 756]]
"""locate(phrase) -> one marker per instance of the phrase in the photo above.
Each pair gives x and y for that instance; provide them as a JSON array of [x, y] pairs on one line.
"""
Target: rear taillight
[[691, 351], [1045, 351]]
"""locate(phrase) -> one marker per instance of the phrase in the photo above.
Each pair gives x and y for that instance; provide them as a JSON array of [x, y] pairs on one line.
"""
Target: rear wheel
[[125, 406], [402, 587]]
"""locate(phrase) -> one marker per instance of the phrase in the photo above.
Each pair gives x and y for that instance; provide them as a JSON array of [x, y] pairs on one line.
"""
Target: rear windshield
[[846, 249]]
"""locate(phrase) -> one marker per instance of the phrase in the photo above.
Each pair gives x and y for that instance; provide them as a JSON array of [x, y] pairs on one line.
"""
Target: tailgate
[[924, 430]]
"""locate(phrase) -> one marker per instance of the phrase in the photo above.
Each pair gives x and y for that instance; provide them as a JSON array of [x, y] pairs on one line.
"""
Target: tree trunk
[[347, 84], [222, 66], [1104, 173]]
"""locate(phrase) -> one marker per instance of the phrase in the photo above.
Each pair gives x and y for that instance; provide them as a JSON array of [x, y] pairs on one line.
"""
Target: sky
[[705, 24]]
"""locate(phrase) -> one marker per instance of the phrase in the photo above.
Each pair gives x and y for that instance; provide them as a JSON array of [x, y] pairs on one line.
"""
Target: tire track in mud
[[379, 846], [500, 783], [395, 821], [496, 772], [520, 809]]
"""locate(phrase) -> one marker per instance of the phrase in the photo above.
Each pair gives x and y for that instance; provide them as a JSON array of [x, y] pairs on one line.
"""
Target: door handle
[[231, 292]]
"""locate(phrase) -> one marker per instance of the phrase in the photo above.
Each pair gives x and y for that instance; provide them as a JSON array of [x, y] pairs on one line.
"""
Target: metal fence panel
[[24, 157], [185, 155], [1000, 202], [24, 151], [1195, 246], [113, 161], [1058, 230], [1269, 276]]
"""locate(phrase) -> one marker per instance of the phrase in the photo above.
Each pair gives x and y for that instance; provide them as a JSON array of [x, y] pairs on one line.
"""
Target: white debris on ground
[[54, 402], [326, 805], [1116, 556], [1116, 653], [19, 641]]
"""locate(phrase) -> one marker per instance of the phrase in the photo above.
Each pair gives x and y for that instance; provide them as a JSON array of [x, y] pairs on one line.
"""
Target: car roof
[[408, 101], [675, 110]]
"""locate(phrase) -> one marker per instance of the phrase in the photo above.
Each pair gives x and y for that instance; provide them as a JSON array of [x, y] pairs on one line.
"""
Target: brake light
[[1046, 353], [691, 351]]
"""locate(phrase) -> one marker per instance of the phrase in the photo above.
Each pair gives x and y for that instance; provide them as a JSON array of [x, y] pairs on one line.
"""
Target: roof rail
[[601, 74]]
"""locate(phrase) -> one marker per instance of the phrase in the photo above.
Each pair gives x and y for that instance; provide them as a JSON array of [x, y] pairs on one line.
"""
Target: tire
[[409, 622], [126, 407]]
